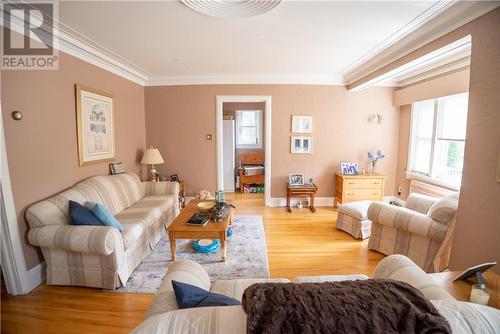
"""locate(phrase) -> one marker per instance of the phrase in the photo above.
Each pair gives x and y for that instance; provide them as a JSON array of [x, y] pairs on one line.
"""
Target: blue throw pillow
[[188, 296], [80, 215], [103, 214]]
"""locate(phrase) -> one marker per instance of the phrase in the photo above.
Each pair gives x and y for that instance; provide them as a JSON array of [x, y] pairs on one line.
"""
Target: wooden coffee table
[[178, 229]]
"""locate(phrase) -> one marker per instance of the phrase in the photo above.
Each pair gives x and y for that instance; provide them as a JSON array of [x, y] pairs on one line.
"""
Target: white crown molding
[[431, 73], [432, 12], [78, 45], [459, 47], [435, 22], [441, 22], [245, 79]]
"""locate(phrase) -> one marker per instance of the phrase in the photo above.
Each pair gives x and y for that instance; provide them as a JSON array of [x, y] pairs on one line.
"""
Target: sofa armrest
[[406, 220], [400, 268], [99, 240], [420, 203], [161, 188], [185, 271]]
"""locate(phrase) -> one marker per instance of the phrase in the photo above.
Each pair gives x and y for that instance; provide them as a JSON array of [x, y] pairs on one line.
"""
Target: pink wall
[[42, 147], [341, 130], [477, 231]]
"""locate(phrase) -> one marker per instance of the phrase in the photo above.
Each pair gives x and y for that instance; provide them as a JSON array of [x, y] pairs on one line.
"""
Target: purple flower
[[370, 156], [379, 153]]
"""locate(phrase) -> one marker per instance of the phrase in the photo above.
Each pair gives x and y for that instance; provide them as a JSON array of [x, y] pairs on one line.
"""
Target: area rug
[[246, 258]]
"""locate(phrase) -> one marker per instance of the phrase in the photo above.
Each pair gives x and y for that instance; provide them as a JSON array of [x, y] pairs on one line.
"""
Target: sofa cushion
[[103, 214], [146, 210], [234, 288], [81, 215], [189, 296], [356, 210], [131, 233]]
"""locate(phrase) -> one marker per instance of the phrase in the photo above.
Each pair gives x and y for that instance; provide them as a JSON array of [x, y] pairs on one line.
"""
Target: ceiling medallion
[[231, 9]]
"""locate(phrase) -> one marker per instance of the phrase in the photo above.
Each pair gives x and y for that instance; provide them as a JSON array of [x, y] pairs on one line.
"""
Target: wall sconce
[[375, 116]]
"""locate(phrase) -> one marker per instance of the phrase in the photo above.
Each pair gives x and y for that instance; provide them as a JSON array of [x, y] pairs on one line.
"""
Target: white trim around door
[[16, 276], [267, 135]]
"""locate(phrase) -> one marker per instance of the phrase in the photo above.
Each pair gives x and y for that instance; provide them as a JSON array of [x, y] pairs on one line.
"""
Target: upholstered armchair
[[422, 229]]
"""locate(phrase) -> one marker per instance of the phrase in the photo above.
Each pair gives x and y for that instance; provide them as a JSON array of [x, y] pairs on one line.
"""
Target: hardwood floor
[[298, 243]]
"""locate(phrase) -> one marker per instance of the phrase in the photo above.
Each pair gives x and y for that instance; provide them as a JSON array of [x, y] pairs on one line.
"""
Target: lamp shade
[[151, 156]]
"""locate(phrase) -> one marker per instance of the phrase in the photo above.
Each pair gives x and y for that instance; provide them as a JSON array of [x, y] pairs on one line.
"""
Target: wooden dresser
[[350, 188]]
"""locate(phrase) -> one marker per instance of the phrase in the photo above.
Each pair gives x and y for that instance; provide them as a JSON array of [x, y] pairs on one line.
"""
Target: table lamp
[[151, 157]]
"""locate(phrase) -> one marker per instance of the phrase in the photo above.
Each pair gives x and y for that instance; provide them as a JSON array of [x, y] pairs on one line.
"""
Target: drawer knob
[[350, 194], [374, 193], [350, 182]]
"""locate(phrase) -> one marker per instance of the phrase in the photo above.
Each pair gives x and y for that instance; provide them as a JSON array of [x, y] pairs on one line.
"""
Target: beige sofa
[[99, 256], [164, 316], [422, 230]]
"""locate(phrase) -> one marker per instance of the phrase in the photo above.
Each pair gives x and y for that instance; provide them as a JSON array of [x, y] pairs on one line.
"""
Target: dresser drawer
[[362, 194], [363, 183]]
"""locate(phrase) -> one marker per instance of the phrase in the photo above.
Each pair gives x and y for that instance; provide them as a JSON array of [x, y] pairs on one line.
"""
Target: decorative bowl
[[205, 206]]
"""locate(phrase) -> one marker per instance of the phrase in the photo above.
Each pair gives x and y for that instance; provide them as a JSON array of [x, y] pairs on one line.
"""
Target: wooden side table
[[305, 190], [461, 290]]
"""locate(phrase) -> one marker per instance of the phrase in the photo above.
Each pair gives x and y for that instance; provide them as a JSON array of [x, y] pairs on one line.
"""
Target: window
[[438, 140], [248, 129]]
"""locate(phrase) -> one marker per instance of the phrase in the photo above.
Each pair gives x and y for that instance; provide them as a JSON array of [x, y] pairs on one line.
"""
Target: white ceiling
[[300, 40]]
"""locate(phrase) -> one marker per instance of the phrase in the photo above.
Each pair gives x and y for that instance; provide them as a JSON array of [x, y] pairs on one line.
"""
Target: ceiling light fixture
[[231, 9]]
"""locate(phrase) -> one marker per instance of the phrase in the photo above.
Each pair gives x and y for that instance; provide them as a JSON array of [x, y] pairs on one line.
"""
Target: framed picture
[[117, 168], [302, 124], [349, 168], [174, 177], [95, 126], [296, 179], [300, 144]]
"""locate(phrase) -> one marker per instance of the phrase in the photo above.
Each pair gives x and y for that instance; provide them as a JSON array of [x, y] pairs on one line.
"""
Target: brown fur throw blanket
[[364, 306]]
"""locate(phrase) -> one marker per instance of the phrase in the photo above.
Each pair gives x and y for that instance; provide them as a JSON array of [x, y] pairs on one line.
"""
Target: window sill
[[432, 181]]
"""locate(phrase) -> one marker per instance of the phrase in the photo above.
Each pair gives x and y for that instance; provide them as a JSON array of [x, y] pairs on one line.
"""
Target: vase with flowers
[[374, 158]]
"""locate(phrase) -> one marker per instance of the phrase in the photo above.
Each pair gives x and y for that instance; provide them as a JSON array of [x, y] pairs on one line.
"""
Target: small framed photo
[[296, 179], [116, 168], [174, 178], [349, 168], [300, 144], [302, 124]]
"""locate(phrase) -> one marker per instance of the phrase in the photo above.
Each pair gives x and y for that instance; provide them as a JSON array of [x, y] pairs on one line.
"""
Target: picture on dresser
[[300, 144], [349, 168], [296, 179]]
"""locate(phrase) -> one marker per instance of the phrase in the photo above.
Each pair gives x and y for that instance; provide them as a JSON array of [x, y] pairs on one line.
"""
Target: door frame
[[219, 138], [14, 268]]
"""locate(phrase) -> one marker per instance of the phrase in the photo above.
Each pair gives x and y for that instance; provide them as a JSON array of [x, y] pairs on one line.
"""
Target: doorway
[[254, 141]]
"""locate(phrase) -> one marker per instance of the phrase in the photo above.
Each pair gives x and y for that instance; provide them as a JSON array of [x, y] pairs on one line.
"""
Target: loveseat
[[164, 316], [421, 230], [101, 256]]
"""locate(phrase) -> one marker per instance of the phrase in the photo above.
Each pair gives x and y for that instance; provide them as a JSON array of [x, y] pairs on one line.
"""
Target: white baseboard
[[36, 276], [318, 201]]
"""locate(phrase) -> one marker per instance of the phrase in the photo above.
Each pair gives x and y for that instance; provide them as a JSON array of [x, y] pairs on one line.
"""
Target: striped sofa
[[422, 230], [101, 256], [164, 316]]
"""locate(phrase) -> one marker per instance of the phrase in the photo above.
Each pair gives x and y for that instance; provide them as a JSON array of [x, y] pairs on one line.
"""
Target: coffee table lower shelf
[[178, 229], [195, 235]]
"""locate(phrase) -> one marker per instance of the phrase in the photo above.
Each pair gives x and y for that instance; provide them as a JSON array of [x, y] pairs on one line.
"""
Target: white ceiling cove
[[295, 42]]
